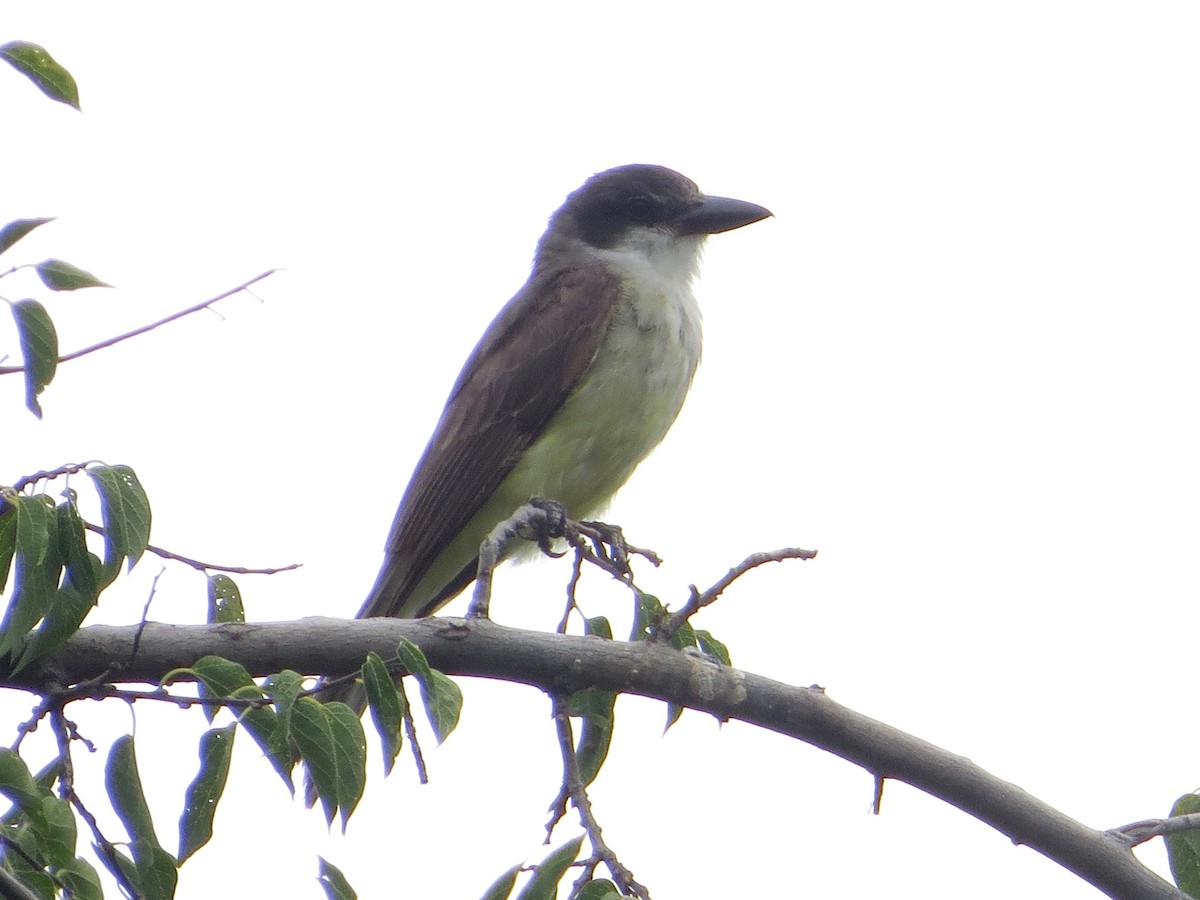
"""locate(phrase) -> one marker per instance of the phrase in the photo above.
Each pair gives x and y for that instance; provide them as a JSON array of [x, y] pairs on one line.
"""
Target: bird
[[575, 381]]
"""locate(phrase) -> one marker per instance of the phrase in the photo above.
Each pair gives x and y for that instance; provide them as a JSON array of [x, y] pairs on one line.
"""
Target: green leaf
[[332, 744], [72, 542], [17, 784], [156, 869], [123, 868], [502, 886], [82, 880], [37, 570], [441, 696], [1183, 849], [125, 510], [39, 349], [648, 612], [350, 748], [17, 229], [544, 884], [62, 276], [599, 626], [271, 735], [125, 790], [36, 531], [443, 703], [218, 677], [600, 889], [224, 600], [684, 638], [200, 803], [712, 648], [38, 66], [598, 711], [595, 736], [331, 878], [56, 831], [413, 659], [387, 707], [48, 774], [8, 532], [284, 688]]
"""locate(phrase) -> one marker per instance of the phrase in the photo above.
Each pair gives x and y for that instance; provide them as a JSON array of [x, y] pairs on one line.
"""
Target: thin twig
[[30, 725], [410, 729], [106, 847], [9, 370], [573, 785], [73, 729], [576, 574], [51, 474], [698, 600], [76, 468], [199, 565], [107, 691], [1139, 832], [137, 638]]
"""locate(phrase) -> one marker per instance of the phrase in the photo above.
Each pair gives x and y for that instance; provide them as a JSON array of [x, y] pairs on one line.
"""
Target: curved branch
[[558, 663]]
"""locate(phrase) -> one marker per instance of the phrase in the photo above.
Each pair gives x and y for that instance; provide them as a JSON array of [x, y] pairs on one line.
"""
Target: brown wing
[[524, 367]]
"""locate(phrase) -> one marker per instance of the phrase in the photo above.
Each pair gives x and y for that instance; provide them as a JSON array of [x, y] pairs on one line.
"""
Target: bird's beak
[[712, 215]]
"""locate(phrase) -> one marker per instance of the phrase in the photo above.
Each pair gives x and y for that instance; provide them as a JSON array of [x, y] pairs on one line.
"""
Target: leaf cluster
[[57, 579]]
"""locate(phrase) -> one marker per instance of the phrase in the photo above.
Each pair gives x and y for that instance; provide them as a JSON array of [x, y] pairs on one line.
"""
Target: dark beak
[[712, 215]]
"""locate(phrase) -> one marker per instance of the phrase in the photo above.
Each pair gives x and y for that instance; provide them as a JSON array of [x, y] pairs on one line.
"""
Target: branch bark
[[558, 663]]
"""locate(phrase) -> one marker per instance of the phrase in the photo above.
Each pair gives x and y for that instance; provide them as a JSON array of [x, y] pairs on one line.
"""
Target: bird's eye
[[642, 207]]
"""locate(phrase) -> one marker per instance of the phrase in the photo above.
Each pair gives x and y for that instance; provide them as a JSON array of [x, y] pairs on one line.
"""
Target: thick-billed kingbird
[[572, 385]]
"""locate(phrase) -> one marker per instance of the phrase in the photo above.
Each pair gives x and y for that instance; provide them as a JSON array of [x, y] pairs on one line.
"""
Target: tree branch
[[200, 565], [558, 664], [698, 601], [9, 370]]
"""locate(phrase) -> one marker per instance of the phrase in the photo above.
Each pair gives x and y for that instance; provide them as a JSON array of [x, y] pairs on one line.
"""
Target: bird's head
[[615, 205]]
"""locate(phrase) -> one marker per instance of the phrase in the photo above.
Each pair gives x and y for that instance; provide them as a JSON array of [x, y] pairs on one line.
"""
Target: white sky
[[961, 362]]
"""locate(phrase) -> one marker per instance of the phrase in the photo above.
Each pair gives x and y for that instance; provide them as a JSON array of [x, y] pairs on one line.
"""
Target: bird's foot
[[553, 523]]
